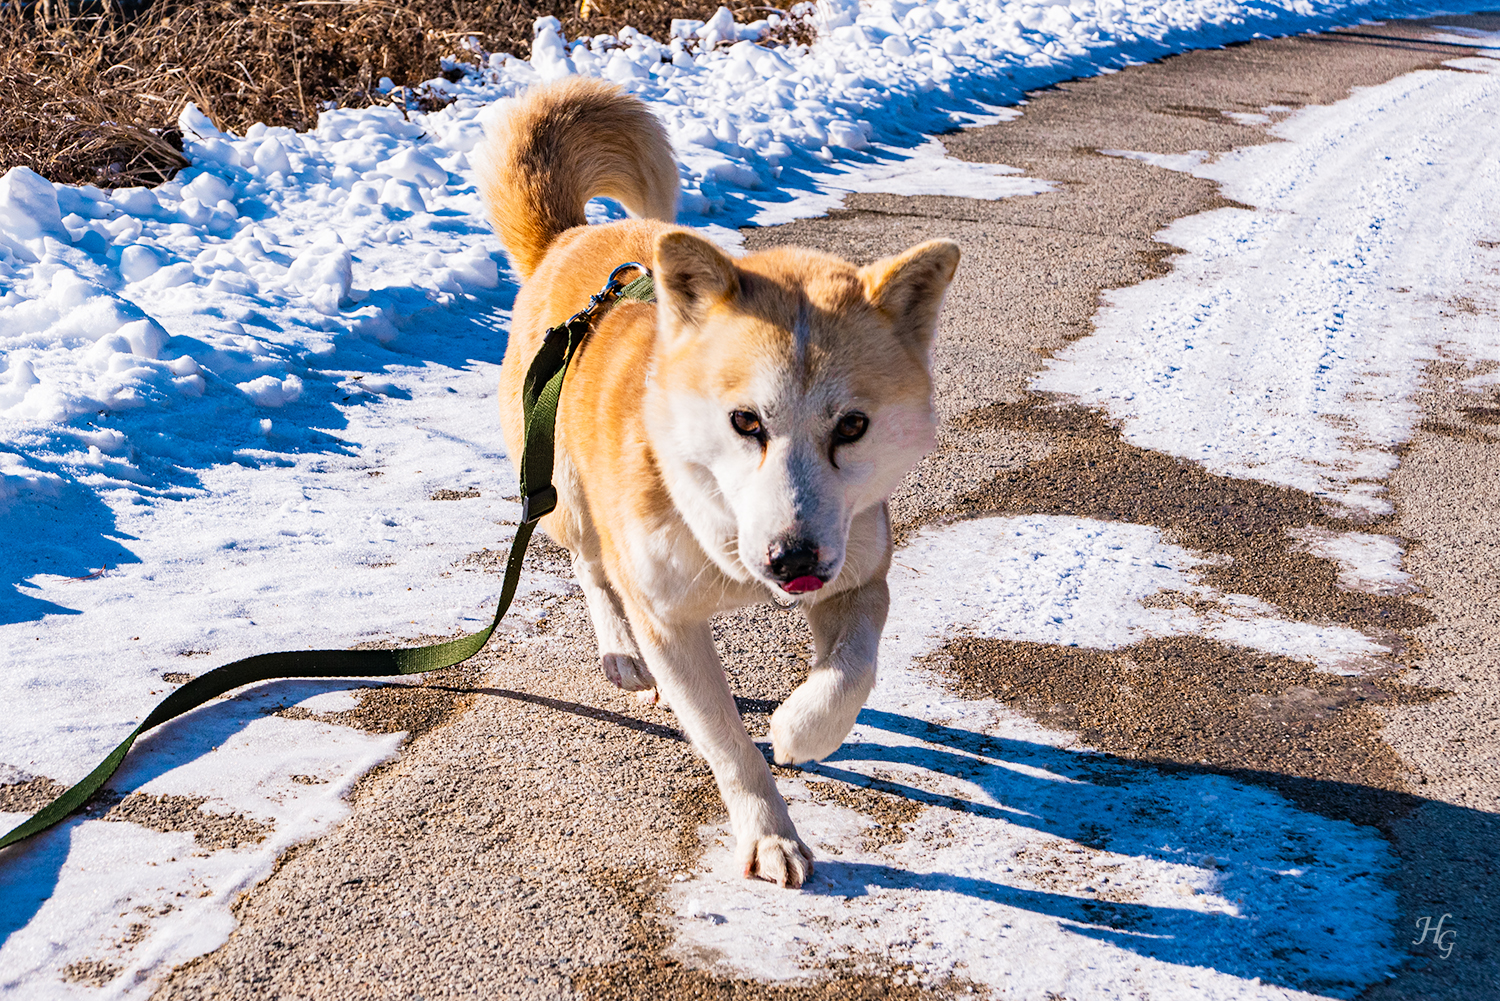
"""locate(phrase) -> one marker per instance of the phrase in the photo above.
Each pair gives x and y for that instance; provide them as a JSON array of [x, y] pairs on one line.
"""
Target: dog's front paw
[[803, 729], [627, 672], [778, 859]]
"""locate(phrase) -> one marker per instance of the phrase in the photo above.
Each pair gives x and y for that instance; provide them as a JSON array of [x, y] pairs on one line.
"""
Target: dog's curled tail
[[562, 144]]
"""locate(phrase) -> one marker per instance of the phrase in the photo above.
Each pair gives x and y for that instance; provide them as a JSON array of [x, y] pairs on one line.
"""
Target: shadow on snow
[[66, 528]]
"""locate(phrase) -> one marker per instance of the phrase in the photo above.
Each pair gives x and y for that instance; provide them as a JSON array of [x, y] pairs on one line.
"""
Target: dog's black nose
[[792, 558]]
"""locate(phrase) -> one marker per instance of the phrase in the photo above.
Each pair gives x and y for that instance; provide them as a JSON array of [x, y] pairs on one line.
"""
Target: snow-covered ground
[[1371, 225], [1110, 880], [1371, 239], [259, 395]]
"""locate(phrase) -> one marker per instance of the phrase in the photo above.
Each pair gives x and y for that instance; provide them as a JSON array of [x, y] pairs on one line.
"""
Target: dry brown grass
[[92, 94]]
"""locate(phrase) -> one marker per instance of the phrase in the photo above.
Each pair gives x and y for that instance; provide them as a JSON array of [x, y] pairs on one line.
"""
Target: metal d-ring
[[628, 264]]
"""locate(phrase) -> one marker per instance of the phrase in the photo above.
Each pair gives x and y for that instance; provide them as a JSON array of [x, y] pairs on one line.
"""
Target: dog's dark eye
[[746, 423], [851, 427]]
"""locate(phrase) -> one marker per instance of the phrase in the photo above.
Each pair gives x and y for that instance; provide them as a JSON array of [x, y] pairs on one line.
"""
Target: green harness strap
[[543, 389]]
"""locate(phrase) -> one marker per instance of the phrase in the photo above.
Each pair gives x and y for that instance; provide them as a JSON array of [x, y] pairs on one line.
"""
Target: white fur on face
[[740, 498]]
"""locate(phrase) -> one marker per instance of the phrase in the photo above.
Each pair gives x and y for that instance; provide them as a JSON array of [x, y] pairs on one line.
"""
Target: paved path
[[519, 845]]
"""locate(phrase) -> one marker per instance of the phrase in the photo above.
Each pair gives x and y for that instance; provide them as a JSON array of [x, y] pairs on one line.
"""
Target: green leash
[[544, 381]]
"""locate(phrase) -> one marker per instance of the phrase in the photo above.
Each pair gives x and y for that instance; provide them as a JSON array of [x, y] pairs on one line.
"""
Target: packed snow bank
[[765, 135], [1288, 343], [1036, 865]]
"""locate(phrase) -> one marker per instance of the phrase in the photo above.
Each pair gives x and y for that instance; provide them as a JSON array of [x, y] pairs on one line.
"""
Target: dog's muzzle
[[794, 564]]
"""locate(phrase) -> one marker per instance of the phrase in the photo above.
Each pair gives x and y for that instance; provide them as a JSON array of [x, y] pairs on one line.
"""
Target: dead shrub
[[92, 91]]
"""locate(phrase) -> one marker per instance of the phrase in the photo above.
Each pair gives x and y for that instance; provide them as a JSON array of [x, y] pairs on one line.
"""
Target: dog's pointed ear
[[692, 276], [909, 289]]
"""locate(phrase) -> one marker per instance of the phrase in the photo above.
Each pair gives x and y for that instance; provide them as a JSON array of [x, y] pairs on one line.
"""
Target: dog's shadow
[[1105, 803], [1296, 898], [1296, 910]]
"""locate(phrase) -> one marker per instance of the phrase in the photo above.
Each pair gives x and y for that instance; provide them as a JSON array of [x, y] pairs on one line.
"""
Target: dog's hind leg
[[687, 667], [572, 526], [618, 653], [814, 721]]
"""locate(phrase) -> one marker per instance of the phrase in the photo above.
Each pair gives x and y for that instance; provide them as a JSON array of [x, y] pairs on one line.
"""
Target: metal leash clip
[[612, 287]]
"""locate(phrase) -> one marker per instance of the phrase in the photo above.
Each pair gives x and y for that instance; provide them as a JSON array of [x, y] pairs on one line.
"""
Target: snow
[[68, 897], [1110, 879], [1370, 563], [1287, 344], [1082, 583], [228, 402], [928, 170]]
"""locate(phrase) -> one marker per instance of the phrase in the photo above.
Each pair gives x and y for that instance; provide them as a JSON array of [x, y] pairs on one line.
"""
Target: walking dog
[[735, 439]]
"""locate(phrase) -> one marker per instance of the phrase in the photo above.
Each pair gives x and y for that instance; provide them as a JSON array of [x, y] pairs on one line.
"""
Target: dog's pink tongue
[[802, 585]]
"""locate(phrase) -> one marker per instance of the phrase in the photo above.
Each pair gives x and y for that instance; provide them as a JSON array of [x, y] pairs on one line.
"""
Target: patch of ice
[[330, 702], [1457, 35], [1474, 64]]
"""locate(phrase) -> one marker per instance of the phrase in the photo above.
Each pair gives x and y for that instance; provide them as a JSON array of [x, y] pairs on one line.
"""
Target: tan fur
[[669, 513], [567, 143]]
